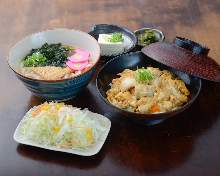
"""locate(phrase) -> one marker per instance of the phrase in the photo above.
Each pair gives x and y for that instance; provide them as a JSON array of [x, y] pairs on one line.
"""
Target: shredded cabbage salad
[[59, 125]]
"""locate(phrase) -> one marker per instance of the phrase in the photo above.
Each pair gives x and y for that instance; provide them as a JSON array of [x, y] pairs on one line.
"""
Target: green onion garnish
[[116, 37], [36, 59], [143, 76]]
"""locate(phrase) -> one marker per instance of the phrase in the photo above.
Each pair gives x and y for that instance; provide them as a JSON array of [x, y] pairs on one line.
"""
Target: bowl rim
[[149, 116], [148, 28], [57, 80], [134, 43]]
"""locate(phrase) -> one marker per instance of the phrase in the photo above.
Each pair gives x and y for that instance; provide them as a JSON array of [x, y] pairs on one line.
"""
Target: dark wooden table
[[188, 144]]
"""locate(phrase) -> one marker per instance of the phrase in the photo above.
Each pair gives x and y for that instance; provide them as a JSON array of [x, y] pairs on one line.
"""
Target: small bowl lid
[[185, 55]]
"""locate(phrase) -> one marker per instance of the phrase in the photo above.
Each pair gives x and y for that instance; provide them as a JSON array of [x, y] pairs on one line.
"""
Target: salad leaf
[[56, 124]]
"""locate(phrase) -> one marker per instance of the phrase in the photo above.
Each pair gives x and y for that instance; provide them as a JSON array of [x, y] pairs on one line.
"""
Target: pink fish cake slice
[[79, 56], [82, 51], [77, 66]]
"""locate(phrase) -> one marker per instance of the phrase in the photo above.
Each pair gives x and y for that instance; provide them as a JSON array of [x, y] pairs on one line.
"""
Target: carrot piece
[[42, 107], [155, 108]]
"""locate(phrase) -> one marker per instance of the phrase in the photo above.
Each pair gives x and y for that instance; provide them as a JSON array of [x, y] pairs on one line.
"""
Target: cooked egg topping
[[147, 90]]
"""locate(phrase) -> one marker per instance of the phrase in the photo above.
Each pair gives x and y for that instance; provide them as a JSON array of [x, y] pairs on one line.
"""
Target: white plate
[[89, 151]]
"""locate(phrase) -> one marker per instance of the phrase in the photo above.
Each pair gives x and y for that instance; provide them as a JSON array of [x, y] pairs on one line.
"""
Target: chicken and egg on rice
[[147, 90]]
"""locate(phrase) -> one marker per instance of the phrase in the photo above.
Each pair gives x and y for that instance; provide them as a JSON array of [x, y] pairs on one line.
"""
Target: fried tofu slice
[[51, 72]]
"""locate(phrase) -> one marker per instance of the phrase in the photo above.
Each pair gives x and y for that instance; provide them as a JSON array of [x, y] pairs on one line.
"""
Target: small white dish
[[89, 151], [108, 48], [130, 39]]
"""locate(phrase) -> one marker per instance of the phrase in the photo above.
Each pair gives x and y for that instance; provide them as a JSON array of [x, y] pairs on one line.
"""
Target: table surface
[[187, 144]]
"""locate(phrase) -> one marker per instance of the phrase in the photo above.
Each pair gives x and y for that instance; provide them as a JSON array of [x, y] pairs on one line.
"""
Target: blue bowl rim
[[58, 80]]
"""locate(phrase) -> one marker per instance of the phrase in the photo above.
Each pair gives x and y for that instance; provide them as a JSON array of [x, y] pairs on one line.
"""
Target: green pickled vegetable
[[147, 38]]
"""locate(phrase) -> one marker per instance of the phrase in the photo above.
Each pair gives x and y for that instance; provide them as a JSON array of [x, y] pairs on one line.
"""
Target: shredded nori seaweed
[[56, 54]]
